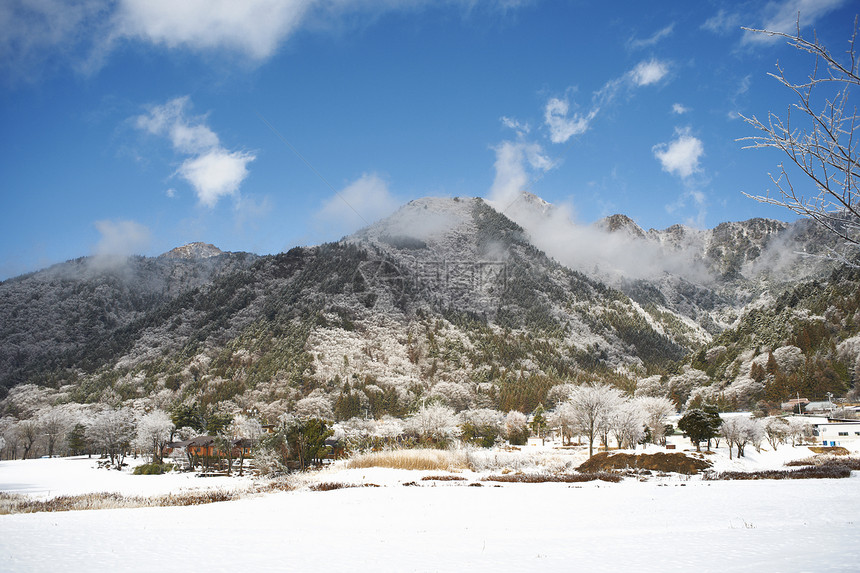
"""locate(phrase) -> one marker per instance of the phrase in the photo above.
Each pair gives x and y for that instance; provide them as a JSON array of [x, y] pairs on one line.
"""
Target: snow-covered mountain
[[475, 304]]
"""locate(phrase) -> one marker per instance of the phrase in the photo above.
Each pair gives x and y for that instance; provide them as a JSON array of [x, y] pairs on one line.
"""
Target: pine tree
[[76, 440]]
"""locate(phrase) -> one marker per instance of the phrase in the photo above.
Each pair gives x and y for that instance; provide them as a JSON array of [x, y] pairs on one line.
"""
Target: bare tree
[[436, 423], [54, 423], [112, 432], [29, 432], [153, 432], [592, 406], [516, 427], [823, 146], [628, 423], [656, 410], [739, 431], [776, 430]]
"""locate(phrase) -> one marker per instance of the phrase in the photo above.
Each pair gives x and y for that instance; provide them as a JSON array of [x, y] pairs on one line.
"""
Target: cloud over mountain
[[213, 171]]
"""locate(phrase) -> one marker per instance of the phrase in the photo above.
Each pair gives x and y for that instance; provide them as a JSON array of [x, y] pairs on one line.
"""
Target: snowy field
[[664, 524]]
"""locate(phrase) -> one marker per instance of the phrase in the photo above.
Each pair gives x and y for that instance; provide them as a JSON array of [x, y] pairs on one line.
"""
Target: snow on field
[[666, 524], [48, 478]]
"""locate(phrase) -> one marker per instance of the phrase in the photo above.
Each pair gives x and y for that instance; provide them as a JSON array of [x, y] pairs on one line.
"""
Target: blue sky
[[134, 126]]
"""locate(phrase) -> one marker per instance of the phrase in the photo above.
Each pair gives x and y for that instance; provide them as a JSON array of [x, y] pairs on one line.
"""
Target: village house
[[837, 432]]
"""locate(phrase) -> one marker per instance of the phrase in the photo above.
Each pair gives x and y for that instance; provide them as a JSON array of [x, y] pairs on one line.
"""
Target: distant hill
[[448, 298]]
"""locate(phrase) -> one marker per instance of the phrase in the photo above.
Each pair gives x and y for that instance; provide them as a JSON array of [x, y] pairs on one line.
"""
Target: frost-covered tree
[[656, 411], [563, 418], [28, 431], [592, 408], [9, 432], [627, 423], [777, 431], [559, 394], [739, 431], [153, 432], [314, 406], [458, 396], [24, 400], [651, 386], [112, 432], [681, 385], [798, 430], [516, 427], [481, 426], [389, 428], [434, 423], [54, 422], [244, 432], [356, 434]]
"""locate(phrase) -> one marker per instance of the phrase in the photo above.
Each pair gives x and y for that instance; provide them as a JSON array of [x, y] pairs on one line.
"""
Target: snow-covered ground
[[48, 478], [665, 524]]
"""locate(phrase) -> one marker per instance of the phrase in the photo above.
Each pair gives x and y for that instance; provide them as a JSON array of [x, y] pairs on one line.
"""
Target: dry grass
[[333, 485], [443, 478], [555, 478], [426, 459], [832, 450], [833, 469], [16, 503]]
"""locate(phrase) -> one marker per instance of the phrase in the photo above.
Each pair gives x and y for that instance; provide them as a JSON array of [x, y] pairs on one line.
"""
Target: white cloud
[[679, 109], [84, 33], [254, 28], [39, 34], [213, 171], [723, 22], [783, 17], [681, 155], [561, 127], [121, 238], [216, 173], [650, 72], [517, 165], [653, 39], [521, 128], [360, 203], [187, 134]]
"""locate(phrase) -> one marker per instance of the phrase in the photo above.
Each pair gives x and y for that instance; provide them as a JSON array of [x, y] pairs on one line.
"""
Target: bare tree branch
[[824, 148]]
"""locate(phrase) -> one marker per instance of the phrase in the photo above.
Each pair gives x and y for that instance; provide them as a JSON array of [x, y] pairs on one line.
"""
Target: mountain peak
[[193, 251], [623, 223]]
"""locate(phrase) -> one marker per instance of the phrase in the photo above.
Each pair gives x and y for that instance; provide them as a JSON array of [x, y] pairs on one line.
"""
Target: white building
[[837, 432]]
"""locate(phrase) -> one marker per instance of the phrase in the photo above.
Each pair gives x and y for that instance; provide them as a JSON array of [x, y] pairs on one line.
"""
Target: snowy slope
[[630, 526]]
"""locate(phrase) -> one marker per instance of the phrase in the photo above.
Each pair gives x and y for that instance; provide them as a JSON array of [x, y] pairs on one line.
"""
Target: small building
[[837, 432], [822, 407], [791, 405]]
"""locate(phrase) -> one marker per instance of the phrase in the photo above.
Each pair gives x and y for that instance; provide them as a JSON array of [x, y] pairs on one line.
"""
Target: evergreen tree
[[76, 440], [696, 424], [539, 421]]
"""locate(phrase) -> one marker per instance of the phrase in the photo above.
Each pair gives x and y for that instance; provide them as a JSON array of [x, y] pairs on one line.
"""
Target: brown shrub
[[563, 478], [832, 450], [330, 486], [829, 470], [661, 462], [443, 478]]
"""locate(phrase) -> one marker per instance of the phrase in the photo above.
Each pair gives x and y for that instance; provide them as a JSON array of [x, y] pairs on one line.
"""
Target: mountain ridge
[[447, 298]]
